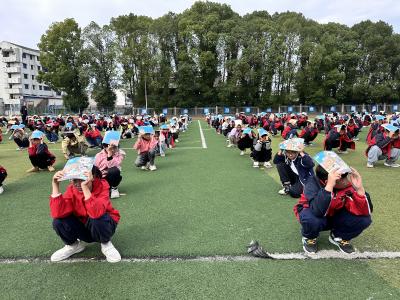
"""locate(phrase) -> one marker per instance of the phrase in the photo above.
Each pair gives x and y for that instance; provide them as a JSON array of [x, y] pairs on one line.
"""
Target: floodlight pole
[[145, 90]]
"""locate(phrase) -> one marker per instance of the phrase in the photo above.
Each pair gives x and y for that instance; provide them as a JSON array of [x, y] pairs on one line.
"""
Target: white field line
[[203, 140], [321, 255]]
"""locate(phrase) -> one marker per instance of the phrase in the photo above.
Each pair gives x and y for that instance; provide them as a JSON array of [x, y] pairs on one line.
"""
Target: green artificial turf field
[[200, 202]]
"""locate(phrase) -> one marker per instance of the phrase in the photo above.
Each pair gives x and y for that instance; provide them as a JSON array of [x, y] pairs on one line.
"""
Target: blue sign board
[[333, 108], [290, 109], [206, 111], [311, 108], [247, 109], [226, 110], [353, 108], [395, 107], [269, 109], [185, 111], [144, 111], [374, 108], [165, 111]]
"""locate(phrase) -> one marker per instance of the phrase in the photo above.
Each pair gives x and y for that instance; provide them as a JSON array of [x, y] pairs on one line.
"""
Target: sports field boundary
[[321, 255], [203, 140]]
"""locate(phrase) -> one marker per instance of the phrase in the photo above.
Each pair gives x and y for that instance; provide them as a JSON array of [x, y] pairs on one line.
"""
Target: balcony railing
[[11, 58], [13, 70], [14, 80], [14, 91]]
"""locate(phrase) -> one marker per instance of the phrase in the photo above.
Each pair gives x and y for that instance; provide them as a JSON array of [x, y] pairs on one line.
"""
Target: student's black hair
[[96, 172], [104, 145], [321, 173]]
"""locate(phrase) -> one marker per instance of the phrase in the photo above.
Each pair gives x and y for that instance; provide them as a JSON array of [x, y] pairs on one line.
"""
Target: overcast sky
[[24, 21]]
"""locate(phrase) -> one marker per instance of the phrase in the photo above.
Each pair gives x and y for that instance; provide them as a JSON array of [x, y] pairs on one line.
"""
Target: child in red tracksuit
[[84, 213], [335, 202], [39, 154]]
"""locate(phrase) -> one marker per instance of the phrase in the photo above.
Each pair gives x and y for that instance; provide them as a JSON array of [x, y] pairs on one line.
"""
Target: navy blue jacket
[[304, 165]]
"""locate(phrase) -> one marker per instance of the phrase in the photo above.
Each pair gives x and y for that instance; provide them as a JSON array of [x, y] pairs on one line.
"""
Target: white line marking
[[324, 254], [203, 140], [90, 149]]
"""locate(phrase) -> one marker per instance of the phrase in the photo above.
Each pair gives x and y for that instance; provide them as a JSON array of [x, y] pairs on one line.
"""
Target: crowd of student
[[332, 200], [84, 212]]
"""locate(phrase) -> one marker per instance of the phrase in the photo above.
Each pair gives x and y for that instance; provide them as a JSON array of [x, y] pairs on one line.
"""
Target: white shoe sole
[[79, 250]]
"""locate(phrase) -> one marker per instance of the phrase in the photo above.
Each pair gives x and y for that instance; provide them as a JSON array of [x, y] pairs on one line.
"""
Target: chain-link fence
[[11, 109]]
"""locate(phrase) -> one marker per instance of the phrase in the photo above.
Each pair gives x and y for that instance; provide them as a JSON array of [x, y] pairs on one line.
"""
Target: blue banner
[[144, 111], [333, 108], [185, 111], [269, 109], [247, 109], [353, 108], [165, 111], [290, 109], [374, 108], [311, 108], [395, 107], [226, 110], [206, 111]]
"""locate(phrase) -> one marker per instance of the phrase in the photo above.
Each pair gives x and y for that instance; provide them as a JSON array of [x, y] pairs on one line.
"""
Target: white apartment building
[[19, 68]]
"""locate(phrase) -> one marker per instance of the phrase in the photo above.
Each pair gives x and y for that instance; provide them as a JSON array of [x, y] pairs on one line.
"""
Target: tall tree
[[64, 61]]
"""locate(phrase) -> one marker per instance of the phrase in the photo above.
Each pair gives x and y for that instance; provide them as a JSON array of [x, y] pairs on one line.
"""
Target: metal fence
[[200, 111]]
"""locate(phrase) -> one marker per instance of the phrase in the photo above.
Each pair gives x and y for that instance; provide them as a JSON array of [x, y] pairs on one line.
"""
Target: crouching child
[[335, 200], [146, 147], [39, 154], [83, 214], [262, 152]]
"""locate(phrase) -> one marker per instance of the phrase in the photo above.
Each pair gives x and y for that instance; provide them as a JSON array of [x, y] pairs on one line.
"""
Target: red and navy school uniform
[[384, 142], [309, 134], [336, 140], [3, 175], [40, 156], [352, 130], [290, 131], [344, 212], [92, 220], [294, 173]]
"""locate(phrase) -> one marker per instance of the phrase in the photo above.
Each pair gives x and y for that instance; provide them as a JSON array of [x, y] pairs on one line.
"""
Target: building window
[[23, 55], [25, 76], [46, 88], [8, 65], [24, 66], [40, 87], [38, 58], [10, 85], [33, 77], [31, 67], [31, 57], [9, 75], [58, 93], [26, 86], [38, 67], [33, 87], [6, 54]]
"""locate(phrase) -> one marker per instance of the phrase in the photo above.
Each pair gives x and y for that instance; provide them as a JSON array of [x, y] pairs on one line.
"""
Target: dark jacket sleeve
[[307, 162], [278, 159], [381, 141], [318, 198]]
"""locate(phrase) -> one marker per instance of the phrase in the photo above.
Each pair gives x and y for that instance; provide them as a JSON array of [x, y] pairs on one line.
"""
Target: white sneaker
[[176, 141], [255, 164], [112, 255], [1, 190], [67, 251], [230, 145], [114, 193], [370, 165], [162, 154], [152, 168], [241, 152], [393, 165], [267, 164], [146, 167]]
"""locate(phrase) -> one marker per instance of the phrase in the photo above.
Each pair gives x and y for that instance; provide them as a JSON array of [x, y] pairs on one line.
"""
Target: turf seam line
[[203, 140], [321, 255]]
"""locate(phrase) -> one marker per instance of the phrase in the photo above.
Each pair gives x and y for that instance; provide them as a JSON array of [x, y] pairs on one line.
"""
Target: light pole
[[145, 90]]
